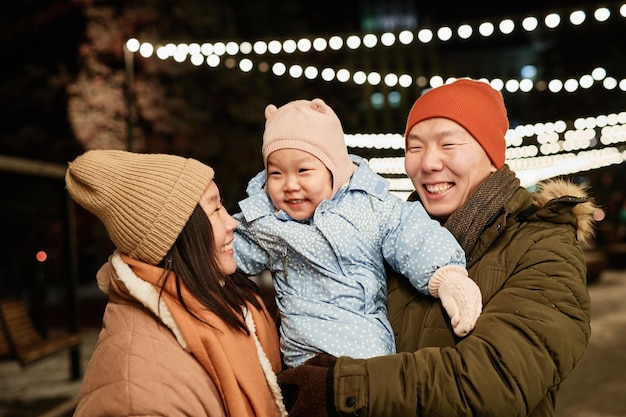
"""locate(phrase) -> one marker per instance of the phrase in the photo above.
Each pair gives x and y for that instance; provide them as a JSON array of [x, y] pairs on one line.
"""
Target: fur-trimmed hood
[[556, 196]]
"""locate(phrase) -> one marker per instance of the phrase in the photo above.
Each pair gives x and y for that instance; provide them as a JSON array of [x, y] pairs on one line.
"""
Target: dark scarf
[[482, 208]]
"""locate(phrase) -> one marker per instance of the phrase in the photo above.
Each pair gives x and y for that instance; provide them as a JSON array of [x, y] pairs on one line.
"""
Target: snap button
[[350, 401]]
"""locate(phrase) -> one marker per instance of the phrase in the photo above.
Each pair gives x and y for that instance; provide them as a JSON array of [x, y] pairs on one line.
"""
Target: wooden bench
[[22, 340], [5, 348]]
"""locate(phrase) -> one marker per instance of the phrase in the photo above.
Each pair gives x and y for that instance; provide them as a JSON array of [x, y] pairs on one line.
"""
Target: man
[[524, 252]]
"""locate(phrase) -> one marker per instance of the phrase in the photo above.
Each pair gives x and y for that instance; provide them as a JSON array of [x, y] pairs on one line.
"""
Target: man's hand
[[308, 388]]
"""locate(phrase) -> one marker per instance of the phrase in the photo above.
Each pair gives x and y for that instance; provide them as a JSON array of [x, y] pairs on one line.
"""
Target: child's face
[[297, 182]]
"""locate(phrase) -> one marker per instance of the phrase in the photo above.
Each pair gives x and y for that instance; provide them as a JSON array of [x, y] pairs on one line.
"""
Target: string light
[[211, 52], [556, 151]]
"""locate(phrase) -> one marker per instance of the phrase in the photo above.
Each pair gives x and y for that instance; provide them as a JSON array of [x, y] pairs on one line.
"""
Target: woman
[[182, 333]]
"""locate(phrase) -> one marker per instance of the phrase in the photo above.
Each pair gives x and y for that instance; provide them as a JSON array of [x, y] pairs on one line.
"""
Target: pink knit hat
[[313, 127], [475, 105]]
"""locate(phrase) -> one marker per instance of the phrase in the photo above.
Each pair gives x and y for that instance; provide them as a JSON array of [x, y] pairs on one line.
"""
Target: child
[[323, 223]]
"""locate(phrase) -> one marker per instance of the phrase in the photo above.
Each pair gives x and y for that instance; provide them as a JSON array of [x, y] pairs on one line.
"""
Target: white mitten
[[459, 295]]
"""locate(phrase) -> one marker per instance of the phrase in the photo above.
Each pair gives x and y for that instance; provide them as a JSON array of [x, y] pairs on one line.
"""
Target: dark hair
[[193, 260]]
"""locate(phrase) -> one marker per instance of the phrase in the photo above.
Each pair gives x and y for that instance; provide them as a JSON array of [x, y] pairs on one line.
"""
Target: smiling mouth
[[295, 201], [226, 248], [438, 188]]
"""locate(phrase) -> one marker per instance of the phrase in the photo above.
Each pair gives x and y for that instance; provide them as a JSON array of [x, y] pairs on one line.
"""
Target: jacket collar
[[555, 201], [117, 276]]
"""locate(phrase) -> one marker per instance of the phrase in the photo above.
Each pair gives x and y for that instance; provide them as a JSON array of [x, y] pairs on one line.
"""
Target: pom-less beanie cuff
[[473, 104], [143, 200]]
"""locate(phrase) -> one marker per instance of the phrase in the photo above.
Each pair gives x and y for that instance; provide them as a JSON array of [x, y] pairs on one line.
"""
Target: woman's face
[[445, 164], [223, 226]]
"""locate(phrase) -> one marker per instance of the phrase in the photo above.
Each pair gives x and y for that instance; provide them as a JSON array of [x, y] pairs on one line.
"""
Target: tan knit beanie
[[313, 127], [143, 200]]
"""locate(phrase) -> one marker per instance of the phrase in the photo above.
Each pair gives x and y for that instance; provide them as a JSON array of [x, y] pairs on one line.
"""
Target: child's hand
[[459, 295]]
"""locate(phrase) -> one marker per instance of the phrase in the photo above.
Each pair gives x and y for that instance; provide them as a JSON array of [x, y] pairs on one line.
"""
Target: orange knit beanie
[[475, 105]]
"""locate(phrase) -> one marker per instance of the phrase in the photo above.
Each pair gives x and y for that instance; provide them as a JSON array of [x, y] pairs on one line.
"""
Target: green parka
[[533, 330]]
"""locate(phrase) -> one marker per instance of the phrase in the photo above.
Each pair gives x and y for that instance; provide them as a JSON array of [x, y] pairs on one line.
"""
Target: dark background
[[62, 91]]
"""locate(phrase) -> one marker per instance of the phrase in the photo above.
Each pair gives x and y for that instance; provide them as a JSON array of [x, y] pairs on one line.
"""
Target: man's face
[[445, 164]]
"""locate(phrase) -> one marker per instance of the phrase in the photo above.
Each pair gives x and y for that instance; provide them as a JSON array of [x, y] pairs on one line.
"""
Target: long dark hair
[[193, 260]]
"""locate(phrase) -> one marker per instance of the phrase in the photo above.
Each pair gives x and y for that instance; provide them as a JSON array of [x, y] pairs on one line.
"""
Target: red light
[[41, 256]]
